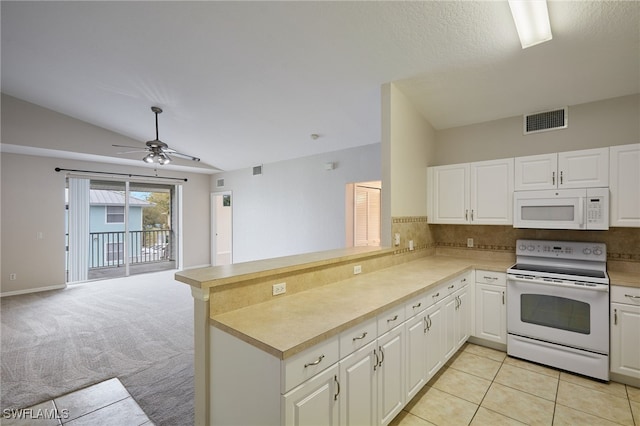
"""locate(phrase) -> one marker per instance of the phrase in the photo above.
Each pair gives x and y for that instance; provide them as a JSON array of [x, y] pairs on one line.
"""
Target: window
[[115, 214]]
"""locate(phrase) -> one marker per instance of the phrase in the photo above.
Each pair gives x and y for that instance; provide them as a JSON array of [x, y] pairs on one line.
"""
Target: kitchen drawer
[[457, 283], [416, 305], [627, 295], [358, 336], [437, 294], [490, 277], [308, 363], [390, 319]]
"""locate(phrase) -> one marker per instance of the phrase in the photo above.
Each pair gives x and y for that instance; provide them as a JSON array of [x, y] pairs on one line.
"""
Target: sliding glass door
[[119, 228]]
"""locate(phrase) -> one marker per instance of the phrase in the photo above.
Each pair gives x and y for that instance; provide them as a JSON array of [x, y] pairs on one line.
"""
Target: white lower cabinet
[[359, 385], [491, 308], [625, 331], [391, 377], [315, 402], [364, 376]]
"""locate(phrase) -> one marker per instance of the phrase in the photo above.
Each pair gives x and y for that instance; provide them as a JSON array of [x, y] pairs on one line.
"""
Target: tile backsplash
[[623, 244]]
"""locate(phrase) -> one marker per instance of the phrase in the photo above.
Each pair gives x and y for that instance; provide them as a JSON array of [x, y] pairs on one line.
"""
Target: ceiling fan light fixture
[[532, 21], [163, 159], [149, 158]]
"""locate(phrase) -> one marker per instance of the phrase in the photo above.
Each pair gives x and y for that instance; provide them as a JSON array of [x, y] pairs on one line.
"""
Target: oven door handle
[[538, 281]]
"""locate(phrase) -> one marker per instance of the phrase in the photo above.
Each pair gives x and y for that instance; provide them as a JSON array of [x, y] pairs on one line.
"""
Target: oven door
[[565, 313]]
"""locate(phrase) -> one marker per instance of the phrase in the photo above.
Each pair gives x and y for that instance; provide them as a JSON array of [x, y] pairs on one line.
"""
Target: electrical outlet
[[357, 269], [410, 244], [469, 242], [13, 277], [279, 288]]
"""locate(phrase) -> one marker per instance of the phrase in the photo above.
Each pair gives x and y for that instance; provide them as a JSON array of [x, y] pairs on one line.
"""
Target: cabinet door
[[315, 402], [358, 403], [450, 194], [434, 339], [624, 184], [450, 307], [587, 168], [391, 376], [491, 313], [492, 192], [625, 339], [536, 172], [416, 357], [461, 324]]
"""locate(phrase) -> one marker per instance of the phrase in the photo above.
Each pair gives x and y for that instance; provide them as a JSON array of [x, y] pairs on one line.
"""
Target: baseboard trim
[[32, 290]]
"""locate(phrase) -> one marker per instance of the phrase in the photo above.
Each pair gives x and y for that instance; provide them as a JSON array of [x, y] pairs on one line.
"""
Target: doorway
[[119, 228], [222, 229], [362, 219]]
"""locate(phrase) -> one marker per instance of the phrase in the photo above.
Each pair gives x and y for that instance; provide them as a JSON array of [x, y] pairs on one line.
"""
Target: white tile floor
[[104, 404], [482, 386]]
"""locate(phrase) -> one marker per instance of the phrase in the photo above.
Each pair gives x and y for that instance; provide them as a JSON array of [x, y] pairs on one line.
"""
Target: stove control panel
[[576, 250]]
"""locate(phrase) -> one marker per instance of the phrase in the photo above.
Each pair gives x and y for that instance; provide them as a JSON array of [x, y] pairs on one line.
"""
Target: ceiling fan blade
[[132, 152], [179, 154], [128, 146]]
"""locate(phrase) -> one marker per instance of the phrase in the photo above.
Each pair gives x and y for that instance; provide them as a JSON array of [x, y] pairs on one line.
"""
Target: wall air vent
[[219, 183], [257, 170], [546, 120]]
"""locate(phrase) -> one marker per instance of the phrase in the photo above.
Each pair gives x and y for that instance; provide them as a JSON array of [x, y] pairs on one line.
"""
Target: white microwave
[[562, 209]]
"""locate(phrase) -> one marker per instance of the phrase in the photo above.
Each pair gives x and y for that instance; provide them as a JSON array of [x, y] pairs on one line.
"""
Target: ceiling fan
[[158, 151]]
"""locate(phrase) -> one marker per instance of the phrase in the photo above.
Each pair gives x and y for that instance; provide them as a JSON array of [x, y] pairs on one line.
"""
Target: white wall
[[32, 197], [295, 206], [408, 148], [596, 124]]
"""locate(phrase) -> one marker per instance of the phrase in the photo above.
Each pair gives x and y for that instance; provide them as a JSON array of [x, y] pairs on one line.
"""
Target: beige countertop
[[215, 276], [290, 324], [626, 279]]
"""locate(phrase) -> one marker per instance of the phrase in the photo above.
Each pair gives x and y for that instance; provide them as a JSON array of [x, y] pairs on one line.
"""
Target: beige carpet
[[139, 329]]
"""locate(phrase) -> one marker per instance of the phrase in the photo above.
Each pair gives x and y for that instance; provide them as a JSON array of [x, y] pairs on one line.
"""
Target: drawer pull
[[360, 337], [418, 305], [490, 278], [392, 319], [316, 362], [436, 295], [451, 286], [630, 296]]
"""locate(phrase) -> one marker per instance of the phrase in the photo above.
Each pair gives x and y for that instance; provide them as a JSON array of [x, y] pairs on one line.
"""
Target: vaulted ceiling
[[244, 83]]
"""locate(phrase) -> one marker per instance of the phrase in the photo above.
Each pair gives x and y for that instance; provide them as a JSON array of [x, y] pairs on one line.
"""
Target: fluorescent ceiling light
[[532, 21]]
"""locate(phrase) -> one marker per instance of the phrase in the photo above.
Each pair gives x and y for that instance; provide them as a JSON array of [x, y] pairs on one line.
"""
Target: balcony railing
[[106, 249]]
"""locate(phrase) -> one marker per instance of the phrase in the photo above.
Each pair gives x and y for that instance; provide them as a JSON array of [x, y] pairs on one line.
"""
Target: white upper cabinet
[[587, 168], [472, 193], [492, 192], [624, 185]]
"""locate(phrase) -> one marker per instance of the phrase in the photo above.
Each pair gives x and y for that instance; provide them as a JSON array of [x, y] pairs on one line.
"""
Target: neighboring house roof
[[105, 197]]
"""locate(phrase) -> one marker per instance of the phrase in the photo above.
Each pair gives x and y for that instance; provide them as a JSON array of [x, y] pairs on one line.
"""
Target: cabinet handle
[[464, 280], [436, 295], [615, 317], [630, 296], [427, 323], [561, 178], [360, 337], [471, 215], [503, 297], [490, 278], [335, 397], [375, 366], [392, 319], [466, 215], [381, 356], [553, 178], [451, 286], [316, 362], [417, 306]]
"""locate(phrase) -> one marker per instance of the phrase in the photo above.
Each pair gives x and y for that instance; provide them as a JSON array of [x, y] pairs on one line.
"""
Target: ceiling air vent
[[219, 183], [546, 120], [257, 170]]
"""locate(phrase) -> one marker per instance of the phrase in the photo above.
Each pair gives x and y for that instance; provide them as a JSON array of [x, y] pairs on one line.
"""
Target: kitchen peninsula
[[324, 299]]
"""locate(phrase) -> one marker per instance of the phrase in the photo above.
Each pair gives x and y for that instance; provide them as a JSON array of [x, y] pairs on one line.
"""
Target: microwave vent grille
[[546, 120]]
